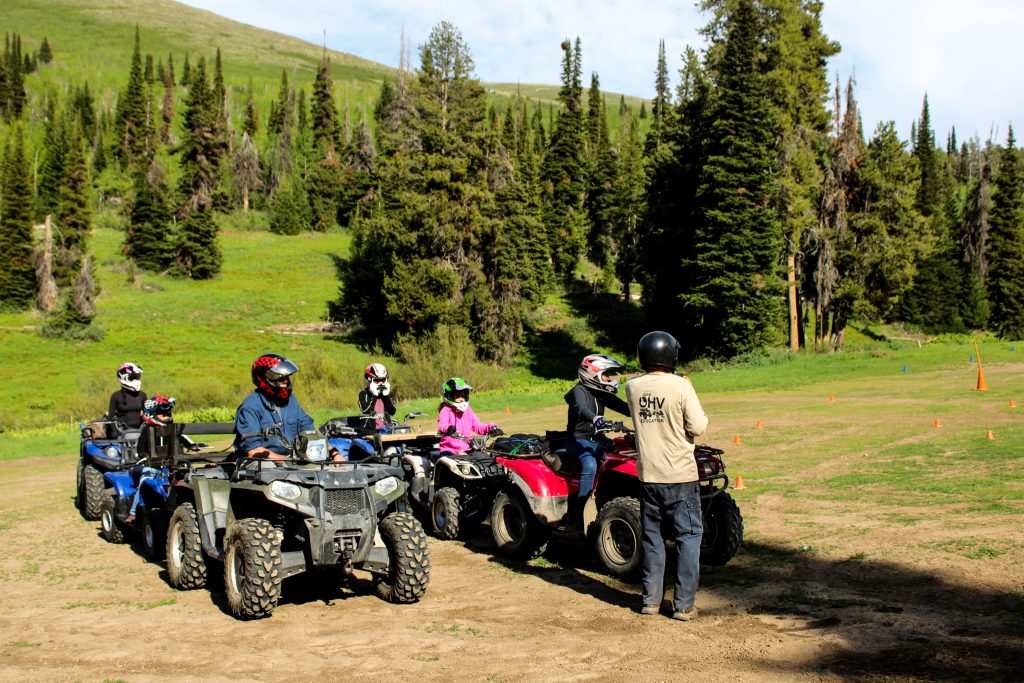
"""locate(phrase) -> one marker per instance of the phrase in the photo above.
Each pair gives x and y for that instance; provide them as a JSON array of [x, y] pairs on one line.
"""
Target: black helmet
[[658, 348]]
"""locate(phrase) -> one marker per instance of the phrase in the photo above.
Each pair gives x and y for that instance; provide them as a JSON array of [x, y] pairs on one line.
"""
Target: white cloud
[[961, 54]]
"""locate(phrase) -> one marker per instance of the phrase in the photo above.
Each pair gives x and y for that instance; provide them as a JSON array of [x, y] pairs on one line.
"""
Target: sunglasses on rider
[[132, 376], [378, 380]]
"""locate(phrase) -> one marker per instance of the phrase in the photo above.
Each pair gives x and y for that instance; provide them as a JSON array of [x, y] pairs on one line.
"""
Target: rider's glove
[[495, 431], [451, 431], [374, 389], [599, 421], [385, 389]]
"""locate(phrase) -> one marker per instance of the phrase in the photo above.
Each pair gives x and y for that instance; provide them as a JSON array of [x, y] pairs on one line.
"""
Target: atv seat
[[159, 445]]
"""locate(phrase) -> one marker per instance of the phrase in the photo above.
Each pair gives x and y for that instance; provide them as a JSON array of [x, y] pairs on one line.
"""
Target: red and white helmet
[[271, 374], [593, 372], [129, 376], [157, 410], [375, 371]]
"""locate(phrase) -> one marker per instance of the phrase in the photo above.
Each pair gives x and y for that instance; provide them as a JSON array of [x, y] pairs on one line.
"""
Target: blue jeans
[[677, 507], [585, 453]]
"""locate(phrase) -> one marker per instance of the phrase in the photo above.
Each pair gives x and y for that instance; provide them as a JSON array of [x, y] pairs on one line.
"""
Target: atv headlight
[[285, 489], [468, 469], [112, 452], [316, 450], [386, 486]]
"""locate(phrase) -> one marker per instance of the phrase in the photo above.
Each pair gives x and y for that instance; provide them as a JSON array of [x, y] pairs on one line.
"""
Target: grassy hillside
[[92, 41]]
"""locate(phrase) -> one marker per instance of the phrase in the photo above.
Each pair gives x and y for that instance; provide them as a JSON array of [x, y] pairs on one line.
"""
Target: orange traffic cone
[[738, 484], [831, 398], [937, 423], [508, 411], [759, 425], [990, 436], [737, 440], [981, 379], [1013, 404]]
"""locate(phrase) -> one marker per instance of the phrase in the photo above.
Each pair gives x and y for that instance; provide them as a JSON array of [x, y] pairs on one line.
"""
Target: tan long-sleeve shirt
[[667, 416]]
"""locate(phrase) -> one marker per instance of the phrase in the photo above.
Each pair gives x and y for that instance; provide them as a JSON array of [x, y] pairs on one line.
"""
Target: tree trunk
[[794, 313], [245, 201]]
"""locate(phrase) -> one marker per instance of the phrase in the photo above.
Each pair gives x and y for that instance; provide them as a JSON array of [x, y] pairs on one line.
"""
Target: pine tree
[[74, 210], [147, 70], [323, 185], [51, 168], [418, 258], [132, 126], [928, 195], [735, 304], [198, 254], [45, 52], [1005, 282], [169, 76], [564, 172], [662, 99], [17, 277], [148, 239], [186, 73], [280, 125], [889, 233], [167, 109], [629, 202], [85, 109], [289, 208], [324, 113], [12, 95], [251, 121]]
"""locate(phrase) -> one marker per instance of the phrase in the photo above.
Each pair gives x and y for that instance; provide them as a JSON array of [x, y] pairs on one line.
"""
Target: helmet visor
[[281, 371]]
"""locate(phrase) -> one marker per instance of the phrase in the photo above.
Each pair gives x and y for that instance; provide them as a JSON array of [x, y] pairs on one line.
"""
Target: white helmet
[[593, 372], [129, 375]]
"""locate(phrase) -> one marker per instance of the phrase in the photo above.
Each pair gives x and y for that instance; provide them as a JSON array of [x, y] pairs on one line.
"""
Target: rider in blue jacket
[[272, 404]]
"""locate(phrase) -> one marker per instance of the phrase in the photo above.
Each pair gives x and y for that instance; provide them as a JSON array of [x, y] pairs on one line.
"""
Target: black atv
[[266, 520]]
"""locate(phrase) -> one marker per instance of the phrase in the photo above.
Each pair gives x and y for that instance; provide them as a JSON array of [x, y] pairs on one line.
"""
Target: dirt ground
[[76, 608]]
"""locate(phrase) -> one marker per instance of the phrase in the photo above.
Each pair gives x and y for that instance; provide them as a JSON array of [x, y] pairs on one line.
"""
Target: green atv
[[266, 520]]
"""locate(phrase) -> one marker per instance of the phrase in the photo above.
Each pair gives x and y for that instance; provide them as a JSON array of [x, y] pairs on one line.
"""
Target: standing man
[[667, 416]]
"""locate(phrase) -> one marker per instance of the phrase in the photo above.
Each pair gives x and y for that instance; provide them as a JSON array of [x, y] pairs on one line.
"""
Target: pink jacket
[[466, 423]]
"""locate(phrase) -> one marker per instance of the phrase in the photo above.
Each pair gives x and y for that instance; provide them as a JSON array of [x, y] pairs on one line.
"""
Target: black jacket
[[366, 401], [126, 406], [584, 404]]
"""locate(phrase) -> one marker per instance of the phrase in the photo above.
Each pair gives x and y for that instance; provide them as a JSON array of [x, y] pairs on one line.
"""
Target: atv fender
[[213, 508], [94, 454], [549, 509], [122, 482], [537, 477]]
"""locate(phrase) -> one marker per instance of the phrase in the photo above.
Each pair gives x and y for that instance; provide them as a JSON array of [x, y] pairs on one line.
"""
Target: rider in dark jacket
[[127, 402], [587, 402]]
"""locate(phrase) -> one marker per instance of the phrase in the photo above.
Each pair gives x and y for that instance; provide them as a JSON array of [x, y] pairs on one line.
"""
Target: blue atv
[[106, 446], [148, 478]]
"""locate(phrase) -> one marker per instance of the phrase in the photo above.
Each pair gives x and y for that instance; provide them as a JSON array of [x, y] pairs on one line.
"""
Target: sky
[[963, 55]]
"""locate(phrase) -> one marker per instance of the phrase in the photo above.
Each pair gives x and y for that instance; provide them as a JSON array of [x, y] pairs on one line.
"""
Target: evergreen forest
[[742, 207]]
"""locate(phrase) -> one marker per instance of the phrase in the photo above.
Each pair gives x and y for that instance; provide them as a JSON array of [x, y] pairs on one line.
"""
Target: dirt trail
[[76, 608]]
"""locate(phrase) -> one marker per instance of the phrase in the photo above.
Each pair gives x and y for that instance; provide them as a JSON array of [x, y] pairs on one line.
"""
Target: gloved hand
[[385, 389], [374, 389], [599, 421], [495, 431], [451, 431]]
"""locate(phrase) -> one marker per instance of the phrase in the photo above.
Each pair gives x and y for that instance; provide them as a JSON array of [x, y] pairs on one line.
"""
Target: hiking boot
[[650, 609], [685, 615]]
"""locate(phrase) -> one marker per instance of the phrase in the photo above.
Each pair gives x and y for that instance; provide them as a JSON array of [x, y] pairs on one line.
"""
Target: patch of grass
[[135, 604], [454, 629], [972, 549], [22, 644]]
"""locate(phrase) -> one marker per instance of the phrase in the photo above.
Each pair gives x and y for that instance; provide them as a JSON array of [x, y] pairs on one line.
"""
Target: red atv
[[535, 502]]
